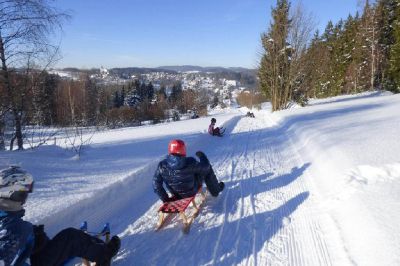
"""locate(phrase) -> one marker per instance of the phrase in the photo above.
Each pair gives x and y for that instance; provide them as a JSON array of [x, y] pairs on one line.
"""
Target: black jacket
[[182, 176]]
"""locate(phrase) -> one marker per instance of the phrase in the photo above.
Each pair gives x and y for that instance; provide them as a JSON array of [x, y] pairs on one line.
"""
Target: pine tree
[[162, 94], [116, 100], [367, 40], [274, 68], [150, 91], [386, 15], [176, 93], [394, 63], [132, 98], [122, 97], [327, 62], [91, 103], [44, 100], [351, 55]]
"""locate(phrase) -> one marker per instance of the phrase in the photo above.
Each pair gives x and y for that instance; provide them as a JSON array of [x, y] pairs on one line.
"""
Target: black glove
[[203, 158], [173, 198], [200, 154], [167, 200], [41, 238]]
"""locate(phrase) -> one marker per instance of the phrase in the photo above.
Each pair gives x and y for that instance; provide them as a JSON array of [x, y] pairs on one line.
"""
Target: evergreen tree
[[142, 91], [116, 100], [394, 63], [386, 15], [122, 97], [328, 35], [176, 93], [274, 68], [132, 97], [150, 91], [162, 94], [119, 98], [351, 55], [366, 42], [324, 58], [92, 102], [357, 54], [43, 100]]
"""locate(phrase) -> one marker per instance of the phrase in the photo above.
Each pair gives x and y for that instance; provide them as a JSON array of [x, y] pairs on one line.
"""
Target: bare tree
[[3, 112], [38, 135], [25, 26], [78, 137], [300, 33]]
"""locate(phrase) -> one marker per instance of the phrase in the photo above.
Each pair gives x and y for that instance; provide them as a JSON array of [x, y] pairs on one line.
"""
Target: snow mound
[[367, 174]]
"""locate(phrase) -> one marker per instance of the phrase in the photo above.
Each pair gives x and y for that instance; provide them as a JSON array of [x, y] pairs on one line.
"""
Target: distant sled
[[220, 132]]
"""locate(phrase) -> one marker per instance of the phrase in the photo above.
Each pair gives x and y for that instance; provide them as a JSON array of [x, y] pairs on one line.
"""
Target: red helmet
[[177, 146]]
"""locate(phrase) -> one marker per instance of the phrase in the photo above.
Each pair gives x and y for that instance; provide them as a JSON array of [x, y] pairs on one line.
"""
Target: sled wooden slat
[[179, 206], [176, 206]]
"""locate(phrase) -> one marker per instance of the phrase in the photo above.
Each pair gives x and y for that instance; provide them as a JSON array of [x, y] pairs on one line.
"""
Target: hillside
[[318, 185]]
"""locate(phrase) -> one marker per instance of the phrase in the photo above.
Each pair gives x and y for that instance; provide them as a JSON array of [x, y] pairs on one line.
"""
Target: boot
[[221, 186], [112, 248], [114, 245]]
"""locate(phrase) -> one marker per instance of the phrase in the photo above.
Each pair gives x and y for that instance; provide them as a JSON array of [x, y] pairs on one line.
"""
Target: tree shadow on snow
[[262, 183], [355, 97], [227, 243], [113, 159], [325, 115]]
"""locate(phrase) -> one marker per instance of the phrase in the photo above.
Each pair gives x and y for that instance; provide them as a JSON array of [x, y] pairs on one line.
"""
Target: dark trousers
[[71, 243], [212, 183], [217, 131]]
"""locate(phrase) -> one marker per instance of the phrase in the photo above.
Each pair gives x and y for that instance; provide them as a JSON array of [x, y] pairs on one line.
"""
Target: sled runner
[[105, 232], [169, 209]]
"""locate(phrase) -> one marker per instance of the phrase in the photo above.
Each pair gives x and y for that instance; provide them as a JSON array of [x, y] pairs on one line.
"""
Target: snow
[[318, 185]]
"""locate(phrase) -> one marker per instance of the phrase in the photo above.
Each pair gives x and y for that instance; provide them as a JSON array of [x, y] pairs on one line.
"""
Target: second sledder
[[183, 176], [215, 131]]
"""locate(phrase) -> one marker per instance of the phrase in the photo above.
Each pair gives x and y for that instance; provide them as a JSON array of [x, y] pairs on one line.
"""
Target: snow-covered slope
[[318, 185]]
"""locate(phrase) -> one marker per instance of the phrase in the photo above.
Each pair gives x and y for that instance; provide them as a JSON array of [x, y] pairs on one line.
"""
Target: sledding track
[[264, 217], [306, 186]]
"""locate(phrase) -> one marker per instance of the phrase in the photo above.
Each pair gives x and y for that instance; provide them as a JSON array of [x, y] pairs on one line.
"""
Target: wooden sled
[[169, 209]]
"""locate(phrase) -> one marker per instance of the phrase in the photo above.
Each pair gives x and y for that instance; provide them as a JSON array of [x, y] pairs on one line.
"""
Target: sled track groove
[[263, 217]]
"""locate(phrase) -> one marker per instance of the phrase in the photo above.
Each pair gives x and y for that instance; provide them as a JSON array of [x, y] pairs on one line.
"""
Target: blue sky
[[150, 33]]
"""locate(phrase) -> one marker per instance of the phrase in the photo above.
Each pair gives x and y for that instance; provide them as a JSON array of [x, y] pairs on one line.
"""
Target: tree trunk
[[2, 129], [18, 129], [17, 118], [71, 105], [6, 79], [12, 143], [373, 58]]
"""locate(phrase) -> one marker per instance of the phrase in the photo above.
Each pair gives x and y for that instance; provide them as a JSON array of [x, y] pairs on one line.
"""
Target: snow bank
[[352, 145]]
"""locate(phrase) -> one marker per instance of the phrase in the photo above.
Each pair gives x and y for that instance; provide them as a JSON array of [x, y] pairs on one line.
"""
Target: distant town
[[226, 83]]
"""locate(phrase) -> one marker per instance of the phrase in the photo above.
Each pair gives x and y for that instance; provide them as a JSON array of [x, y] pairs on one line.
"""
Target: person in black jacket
[[21, 240], [183, 176]]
